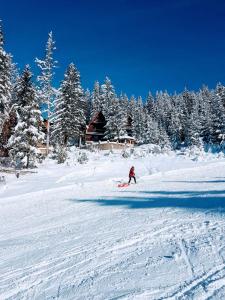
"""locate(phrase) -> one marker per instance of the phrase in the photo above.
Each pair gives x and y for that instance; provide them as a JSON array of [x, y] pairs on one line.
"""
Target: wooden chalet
[[95, 132], [43, 127], [128, 127], [96, 129]]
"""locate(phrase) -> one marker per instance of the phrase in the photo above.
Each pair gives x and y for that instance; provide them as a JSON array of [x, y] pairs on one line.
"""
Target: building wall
[[110, 145]]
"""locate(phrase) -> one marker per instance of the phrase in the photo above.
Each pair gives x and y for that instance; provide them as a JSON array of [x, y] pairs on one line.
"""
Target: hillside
[[68, 232]]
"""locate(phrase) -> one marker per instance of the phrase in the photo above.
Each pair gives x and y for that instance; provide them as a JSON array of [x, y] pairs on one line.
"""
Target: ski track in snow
[[70, 233]]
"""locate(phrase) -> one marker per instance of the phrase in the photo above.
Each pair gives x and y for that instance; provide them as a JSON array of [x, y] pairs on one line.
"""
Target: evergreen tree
[[88, 106], [188, 98], [139, 121], [217, 130], [107, 97], [23, 143], [46, 91], [5, 91], [151, 130], [69, 117], [150, 104], [205, 113], [193, 128], [174, 128], [131, 113], [117, 119], [124, 102], [164, 141], [5, 81], [96, 99], [220, 91]]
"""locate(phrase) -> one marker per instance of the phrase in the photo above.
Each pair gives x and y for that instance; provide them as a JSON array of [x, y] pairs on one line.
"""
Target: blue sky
[[141, 45]]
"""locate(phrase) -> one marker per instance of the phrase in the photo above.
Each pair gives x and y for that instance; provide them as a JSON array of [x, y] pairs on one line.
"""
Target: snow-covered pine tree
[[160, 108], [96, 99], [151, 130], [58, 122], [166, 110], [181, 110], [174, 129], [132, 106], [131, 112], [138, 121], [5, 91], [116, 121], [217, 130], [193, 128], [164, 141], [88, 105], [107, 97], [5, 80], [124, 103], [205, 114], [14, 79], [150, 104], [46, 90], [188, 100], [69, 117], [23, 142], [220, 91]]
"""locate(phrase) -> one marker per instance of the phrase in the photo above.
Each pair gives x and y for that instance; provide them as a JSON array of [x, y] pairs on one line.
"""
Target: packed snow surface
[[68, 232]]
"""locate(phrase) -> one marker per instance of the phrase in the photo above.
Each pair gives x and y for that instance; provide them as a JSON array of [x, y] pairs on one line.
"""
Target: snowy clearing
[[68, 231]]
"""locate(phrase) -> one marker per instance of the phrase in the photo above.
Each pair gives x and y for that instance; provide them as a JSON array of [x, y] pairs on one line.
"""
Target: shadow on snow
[[203, 200], [196, 181]]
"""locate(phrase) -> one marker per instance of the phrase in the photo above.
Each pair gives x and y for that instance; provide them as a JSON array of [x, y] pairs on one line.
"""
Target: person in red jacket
[[132, 175]]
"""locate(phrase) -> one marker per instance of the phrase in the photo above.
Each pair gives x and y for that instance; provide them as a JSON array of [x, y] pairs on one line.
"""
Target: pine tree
[[88, 106], [217, 130], [131, 113], [150, 104], [124, 103], [205, 113], [193, 128], [132, 107], [220, 91], [164, 141], [174, 128], [117, 119], [5, 91], [46, 91], [180, 120], [188, 100], [23, 143], [139, 121], [96, 99], [151, 130], [69, 118], [5, 81], [107, 97]]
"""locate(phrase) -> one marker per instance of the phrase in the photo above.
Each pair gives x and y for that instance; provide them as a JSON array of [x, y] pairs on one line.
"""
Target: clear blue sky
[[141, 45]]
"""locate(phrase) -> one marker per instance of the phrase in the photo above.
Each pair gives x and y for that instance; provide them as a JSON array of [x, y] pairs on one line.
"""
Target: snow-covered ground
[[68, 231]]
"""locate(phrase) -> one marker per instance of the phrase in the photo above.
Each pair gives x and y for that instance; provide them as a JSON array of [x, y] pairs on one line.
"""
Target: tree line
[[169, 120]]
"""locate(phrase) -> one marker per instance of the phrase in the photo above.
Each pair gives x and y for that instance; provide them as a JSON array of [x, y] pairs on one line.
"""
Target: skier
[[132, 175]]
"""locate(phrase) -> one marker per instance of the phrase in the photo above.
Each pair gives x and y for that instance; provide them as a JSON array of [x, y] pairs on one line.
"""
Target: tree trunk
[[28, 161], [48, 129], [79, 140]]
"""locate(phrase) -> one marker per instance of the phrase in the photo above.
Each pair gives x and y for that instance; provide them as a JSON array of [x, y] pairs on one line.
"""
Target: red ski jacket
[[131, 174]]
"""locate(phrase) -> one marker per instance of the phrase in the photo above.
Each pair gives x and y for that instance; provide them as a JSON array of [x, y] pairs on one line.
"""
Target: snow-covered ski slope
[[68, 232]]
